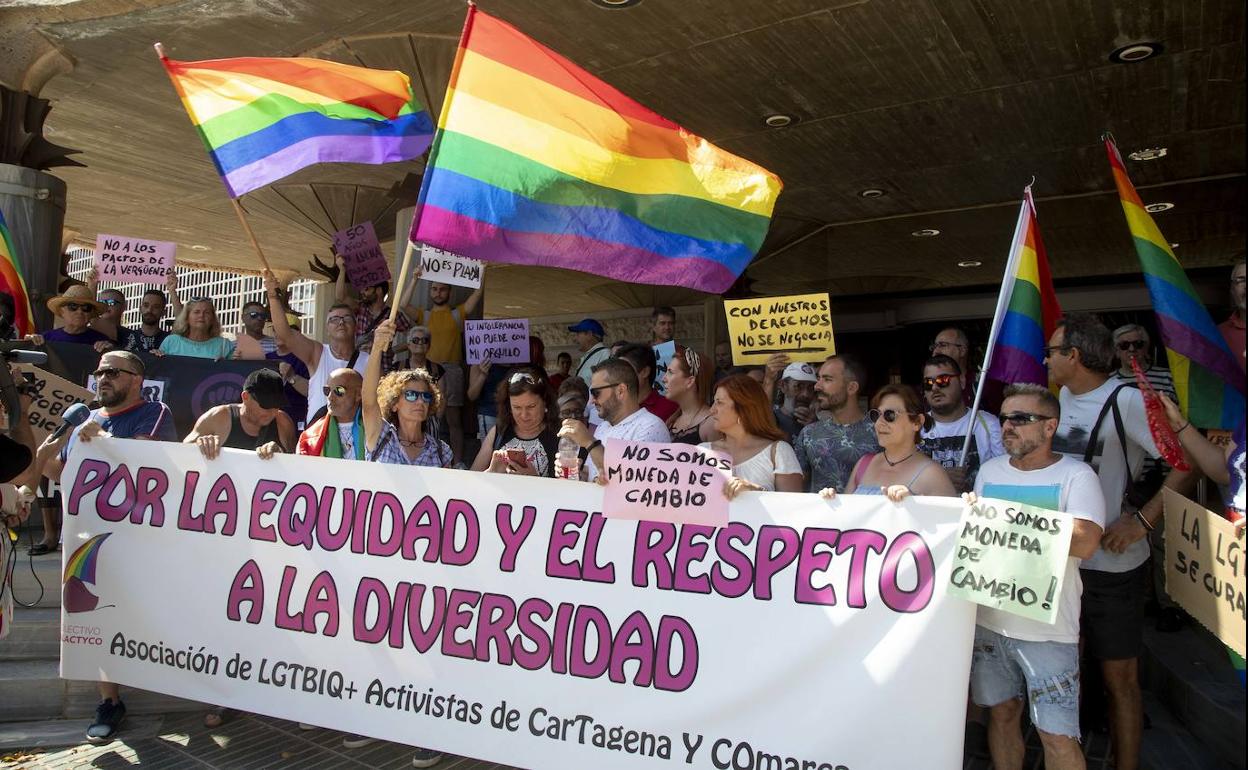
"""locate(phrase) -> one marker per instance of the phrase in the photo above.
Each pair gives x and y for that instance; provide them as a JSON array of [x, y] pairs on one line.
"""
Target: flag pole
[[242, 216], [998, 317], [433, 154]]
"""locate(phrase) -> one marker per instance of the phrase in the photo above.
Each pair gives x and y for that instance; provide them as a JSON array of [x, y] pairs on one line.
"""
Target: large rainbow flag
[[12, 282], [1207, 380], [538, 162], [263, 119], [1028, 315]]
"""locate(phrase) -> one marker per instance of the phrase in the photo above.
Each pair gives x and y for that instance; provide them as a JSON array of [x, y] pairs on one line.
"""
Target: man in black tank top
[[258, 422]]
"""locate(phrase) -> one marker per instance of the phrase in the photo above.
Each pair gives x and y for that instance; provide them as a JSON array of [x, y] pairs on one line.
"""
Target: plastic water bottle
[[568, 464]]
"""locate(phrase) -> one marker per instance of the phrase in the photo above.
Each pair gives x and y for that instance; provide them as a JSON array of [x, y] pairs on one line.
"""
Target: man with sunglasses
[[255, 318], [1131, 341], [1018, 660], [1104, 424], [613, 389], [951, 421], [953, 342], [123, 413], [74, 309]]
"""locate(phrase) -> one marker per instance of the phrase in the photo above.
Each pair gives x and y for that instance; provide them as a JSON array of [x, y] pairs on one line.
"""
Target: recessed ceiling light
[[1151, 153], [927, 232], [1156, 208], [871, 192], [970, 263], [1174, 245], [199, 247], [1133, 52], [615, 5], [513, 307], [778, 120]]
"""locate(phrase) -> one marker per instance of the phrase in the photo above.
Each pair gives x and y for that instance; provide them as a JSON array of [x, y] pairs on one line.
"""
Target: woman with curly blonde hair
[[398, 412]]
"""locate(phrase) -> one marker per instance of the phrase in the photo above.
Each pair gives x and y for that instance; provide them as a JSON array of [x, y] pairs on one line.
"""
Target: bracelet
[[1144, 521], [1186, 425], [593, 446]]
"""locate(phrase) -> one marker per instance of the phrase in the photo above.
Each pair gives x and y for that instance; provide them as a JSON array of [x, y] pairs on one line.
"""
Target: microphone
[[74, 416], [35, 357]]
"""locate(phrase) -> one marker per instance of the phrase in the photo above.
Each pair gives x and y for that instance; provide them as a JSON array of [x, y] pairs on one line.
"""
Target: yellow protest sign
[[1205, 568], [799, 325]]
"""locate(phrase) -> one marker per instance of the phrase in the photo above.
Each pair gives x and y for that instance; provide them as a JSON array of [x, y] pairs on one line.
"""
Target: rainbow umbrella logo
[[79, 573]]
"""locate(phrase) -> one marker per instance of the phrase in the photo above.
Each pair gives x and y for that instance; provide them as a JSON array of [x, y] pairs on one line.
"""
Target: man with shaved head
[[340, 432]]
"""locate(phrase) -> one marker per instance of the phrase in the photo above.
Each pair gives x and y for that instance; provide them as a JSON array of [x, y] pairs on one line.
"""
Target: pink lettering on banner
[[666, 482], [133, 260]]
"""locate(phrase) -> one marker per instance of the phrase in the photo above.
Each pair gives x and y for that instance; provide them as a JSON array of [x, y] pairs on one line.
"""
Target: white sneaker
[[306, 726], [353, 741]]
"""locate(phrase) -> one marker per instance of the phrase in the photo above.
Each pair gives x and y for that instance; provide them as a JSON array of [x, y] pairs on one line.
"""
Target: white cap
[[799, 372]]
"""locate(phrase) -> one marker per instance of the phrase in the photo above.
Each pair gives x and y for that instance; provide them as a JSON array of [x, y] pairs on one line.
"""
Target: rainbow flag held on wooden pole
[[1207, 380], [264, 119], [538, 162], [14, 283]]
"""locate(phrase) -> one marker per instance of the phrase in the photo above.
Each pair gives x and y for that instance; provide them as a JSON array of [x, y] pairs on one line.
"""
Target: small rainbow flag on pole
[[1026, 320], [12, 282], [538, 162], [263, 119], [1207, 380]]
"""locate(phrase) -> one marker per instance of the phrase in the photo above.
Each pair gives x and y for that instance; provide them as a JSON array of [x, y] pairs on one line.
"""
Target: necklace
[[892, 464], [691, 422], [405, 443]]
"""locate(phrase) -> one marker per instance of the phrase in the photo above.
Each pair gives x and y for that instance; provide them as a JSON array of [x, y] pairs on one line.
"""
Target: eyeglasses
[[942, 345], [889, 415], [524, 377], [111, 302], [412, 396], [1018, 419], [593, 392], [571, 414], [337, 390], [340, 320], [1049, 350], [420, 340], [109, 372], [1132, 345], [939, 381], [254, 314], [75, 307]]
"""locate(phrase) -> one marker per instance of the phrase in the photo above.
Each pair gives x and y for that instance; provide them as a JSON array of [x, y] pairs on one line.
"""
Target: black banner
[[188, 386]]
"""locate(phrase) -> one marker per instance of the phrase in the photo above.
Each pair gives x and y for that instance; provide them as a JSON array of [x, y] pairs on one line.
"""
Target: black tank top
[[238, 438]]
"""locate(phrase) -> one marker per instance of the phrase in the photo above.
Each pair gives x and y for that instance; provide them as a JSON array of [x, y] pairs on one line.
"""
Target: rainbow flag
[[263, 119], [1207, 380], [12, 282], [538, 162], [1025, 321]]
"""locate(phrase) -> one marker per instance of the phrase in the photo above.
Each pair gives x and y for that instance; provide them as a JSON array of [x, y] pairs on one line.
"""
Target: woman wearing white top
[[761, 459]]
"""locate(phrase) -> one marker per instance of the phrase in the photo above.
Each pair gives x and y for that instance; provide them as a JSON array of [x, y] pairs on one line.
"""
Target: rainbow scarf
[[12, 282], [1031, 313], [263, 119], [1207, 379], [538, 162]]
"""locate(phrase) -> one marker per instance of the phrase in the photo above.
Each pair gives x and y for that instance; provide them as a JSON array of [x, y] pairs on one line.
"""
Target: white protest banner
[[799, 325], [53, 395], [502, 340], [359, 249], [666, 482], [1205, 568], [502, 617], [1012, 557], [444, 267], [118, 258], [663, 353]]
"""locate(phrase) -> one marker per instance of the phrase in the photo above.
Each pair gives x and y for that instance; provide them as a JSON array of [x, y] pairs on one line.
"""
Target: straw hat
[[76, 293]]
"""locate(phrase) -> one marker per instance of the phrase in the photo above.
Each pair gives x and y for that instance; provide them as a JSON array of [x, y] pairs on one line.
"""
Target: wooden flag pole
[[398, 287], [242, 217]]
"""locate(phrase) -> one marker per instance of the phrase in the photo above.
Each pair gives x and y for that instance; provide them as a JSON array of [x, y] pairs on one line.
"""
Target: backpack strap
[[1111, 407], [354, 357]]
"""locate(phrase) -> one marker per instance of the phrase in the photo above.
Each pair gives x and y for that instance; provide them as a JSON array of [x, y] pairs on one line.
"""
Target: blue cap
[[589, 325]]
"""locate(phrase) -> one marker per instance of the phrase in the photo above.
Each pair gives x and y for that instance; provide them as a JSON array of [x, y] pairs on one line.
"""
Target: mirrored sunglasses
[[337, 390], [412, 396], [939, 381]]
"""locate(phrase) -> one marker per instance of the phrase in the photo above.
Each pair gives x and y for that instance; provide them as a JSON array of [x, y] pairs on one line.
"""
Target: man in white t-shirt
[[1096, 411], [951, 419], [1016, 657], [613, 389]]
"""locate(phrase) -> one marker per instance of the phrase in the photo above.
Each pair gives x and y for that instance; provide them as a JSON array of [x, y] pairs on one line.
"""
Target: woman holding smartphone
[[525, 439]]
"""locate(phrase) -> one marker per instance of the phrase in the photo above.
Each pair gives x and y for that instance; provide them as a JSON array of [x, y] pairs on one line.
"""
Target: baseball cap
[[588, 325], [266, 387], [799, 372]]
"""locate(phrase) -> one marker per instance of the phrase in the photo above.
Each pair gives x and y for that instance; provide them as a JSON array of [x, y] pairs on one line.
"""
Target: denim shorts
[[1046, 673]]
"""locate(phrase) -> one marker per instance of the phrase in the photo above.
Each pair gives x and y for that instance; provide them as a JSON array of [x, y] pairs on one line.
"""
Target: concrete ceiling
[[948, 106]]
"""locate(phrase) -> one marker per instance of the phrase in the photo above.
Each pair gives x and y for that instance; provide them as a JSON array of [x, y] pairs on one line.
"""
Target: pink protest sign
[[358, 247], [133, 260], [676, 483], [502, 340]]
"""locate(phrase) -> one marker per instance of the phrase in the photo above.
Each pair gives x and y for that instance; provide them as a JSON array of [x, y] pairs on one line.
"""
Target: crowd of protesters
[[397, 390]]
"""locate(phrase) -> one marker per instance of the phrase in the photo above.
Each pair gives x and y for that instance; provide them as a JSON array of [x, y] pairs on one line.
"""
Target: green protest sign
[[1011, 557]]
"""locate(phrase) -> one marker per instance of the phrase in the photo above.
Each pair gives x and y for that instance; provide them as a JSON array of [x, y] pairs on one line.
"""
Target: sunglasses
[[109, 372], [200, 299], [420, 340], [593, 392], [412, 396], [75, 307], [110, 302], [254, 314], [939, 381], [1018, 419], [889, 415], [524, 377], [337, 390], [1132, 345]]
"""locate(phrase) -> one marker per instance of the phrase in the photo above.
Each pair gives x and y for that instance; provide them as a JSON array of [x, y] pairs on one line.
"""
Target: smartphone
[[517, 456]]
